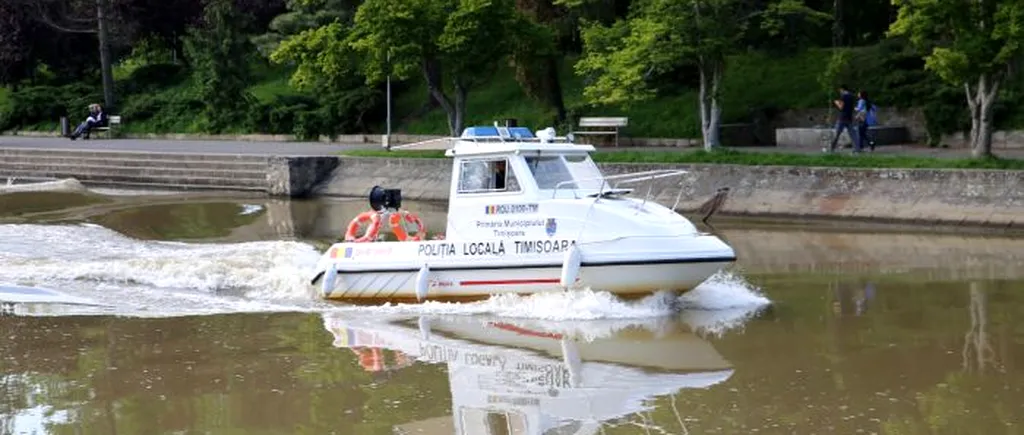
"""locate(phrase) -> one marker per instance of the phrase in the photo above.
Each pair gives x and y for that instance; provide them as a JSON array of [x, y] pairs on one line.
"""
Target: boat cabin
[[512, 161], [502, 173]]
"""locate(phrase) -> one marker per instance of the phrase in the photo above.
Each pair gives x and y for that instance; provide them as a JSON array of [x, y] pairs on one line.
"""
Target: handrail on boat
[[449, 141], [627, 179], [424, 143], [631, 177], [517, 139]]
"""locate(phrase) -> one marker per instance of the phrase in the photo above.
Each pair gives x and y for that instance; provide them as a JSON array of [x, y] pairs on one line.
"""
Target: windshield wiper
[[610, 193]]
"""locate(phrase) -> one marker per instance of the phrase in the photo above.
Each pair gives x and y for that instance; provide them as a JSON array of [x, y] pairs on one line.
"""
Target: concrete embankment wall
[[288, 176], [930, 196], [956, 197]]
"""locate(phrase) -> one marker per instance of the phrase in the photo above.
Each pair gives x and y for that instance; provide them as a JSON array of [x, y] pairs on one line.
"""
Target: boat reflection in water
[[533, 377]]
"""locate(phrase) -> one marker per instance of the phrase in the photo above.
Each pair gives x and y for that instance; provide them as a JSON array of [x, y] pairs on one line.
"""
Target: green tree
[[321, 56], [660, 35], [971, 43], [303, 15], [79, 16], [219, 51], [461, 39], [16, 56], [535, 55], [326, 65]]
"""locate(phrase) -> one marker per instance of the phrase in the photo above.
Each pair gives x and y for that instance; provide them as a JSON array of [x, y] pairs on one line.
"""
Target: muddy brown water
[[867, 331]]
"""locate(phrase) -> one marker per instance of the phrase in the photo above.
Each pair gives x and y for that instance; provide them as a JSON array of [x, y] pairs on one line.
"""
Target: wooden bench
[[608, 126], [114, 120]]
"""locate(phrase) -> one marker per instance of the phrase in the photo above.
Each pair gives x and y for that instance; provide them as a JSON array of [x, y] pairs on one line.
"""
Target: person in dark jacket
[[96, 119], [845, 104]]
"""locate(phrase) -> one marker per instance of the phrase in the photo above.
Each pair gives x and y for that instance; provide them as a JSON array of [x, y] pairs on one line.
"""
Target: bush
[[149, 78], [308, 117], [33, 105], [165, 112], [278, 116]]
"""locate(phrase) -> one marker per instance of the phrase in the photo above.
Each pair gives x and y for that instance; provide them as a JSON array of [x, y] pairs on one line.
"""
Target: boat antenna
[[503, 132]]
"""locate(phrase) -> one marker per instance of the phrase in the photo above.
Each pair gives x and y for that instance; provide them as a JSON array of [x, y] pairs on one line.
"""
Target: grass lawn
[[733, 157]]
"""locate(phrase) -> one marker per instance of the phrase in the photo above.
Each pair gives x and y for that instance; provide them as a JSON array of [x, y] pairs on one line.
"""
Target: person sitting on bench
[[96, 119]]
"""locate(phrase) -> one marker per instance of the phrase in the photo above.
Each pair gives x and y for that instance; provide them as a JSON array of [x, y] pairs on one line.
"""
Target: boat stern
[[326, 261]]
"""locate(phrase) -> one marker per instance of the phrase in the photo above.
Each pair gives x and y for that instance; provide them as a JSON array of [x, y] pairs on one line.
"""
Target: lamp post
[[387, 135]]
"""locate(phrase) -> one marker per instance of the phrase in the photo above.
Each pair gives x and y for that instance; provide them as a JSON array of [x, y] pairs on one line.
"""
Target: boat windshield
[[572, 171]]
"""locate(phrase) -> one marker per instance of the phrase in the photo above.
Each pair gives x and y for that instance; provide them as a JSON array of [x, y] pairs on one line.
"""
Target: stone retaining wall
[[911, 119], [817, 137], [930, 196], [1013, 139], [278, 176]]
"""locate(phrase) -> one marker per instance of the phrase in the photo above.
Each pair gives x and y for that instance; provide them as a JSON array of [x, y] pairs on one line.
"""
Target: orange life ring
[[371, 231], [398, 226]]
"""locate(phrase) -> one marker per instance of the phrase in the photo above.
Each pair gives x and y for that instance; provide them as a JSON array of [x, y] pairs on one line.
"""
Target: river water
[[205, 324]]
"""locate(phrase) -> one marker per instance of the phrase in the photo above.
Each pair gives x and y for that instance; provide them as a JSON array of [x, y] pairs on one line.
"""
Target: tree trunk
[[456, 122], [555, 89], [105, 65], [837, 23], [710, 111], [981, 101], [432, 74], [977, 353]]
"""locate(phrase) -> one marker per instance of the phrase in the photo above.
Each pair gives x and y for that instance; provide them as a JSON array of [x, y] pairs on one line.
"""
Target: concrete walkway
[[321, 149], [180, 146]]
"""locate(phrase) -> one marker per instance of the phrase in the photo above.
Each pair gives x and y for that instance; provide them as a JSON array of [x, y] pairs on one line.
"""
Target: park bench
[[113, 122], [604, 126]]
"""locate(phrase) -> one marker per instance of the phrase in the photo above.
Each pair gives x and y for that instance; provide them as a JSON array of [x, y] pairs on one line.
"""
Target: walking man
[[845, 104]]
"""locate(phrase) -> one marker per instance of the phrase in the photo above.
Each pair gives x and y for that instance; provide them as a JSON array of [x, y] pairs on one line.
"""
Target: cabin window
[[565, 172], [550, 172], [491, 175]]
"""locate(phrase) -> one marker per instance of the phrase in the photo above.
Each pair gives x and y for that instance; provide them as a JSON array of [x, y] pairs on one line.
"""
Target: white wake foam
[[724, 302], [579, 305], [59, 254], [154, 278], [63, 185]]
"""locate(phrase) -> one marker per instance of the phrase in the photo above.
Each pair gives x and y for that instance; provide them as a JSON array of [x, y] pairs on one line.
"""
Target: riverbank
[[990, 198], [959, 197]]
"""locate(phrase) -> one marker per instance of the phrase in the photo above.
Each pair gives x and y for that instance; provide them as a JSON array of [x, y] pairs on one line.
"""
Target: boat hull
[[451, 270], [468, 284]]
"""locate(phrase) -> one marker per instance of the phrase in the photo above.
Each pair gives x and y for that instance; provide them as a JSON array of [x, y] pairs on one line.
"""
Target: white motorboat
[[536, 377], [527, 213]]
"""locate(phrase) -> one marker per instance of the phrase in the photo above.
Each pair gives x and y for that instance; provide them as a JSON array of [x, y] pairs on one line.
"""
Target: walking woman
[[865, 119]]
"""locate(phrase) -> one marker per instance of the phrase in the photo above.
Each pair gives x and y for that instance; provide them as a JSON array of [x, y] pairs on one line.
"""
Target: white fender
[[424, 324], [570, 266], [330, 276], [571, 358], [422, 282]]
